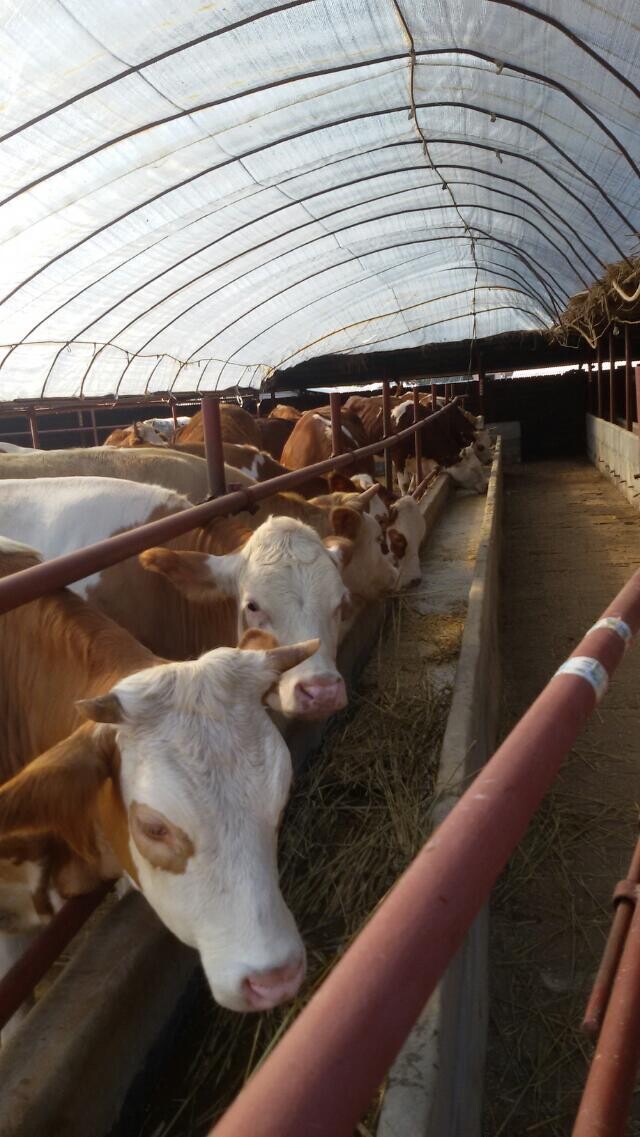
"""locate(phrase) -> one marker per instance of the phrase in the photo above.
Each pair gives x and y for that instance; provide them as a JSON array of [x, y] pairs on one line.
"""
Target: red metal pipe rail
[[21, 979], [606, 1100], [29, 584], [321, 1077], [612, 376], [624, 900], [600, 378]]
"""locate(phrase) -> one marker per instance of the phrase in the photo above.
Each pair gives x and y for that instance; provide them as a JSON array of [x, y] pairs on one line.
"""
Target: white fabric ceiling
[[195, 194]]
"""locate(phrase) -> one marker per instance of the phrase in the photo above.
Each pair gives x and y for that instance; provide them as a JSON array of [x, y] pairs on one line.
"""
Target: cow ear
[[105, 708], [340, 549], [345, 522], [197, 575], [255, 639], [56, 793]]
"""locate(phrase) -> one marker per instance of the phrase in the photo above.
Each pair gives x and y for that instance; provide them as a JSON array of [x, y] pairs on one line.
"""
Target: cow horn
[[290, 655], [367, 495]]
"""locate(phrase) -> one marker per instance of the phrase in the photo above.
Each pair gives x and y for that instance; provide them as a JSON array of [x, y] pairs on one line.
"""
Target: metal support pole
[[386, 431], [33, 426], [628, 413], [336, 424], [418, 436], [174, 416], [482, 390], [597, 1005], [606, 1100], [600, 381], [434, 396], [213, 445], [612, 377], [94, 428]]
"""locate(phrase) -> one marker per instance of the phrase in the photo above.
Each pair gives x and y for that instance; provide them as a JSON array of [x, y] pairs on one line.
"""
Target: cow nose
[[266, 989], [321, 695]]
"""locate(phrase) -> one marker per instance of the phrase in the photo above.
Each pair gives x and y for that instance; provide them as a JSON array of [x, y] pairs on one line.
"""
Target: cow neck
[[113, 821]]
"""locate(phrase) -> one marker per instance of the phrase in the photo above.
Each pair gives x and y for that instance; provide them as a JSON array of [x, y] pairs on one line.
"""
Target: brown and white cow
[[274, 434], [283, 571], [311, 440], [138, 434], [114, 761]]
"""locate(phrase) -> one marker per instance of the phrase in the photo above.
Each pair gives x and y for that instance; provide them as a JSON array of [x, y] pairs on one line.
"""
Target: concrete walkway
[[570, 543]]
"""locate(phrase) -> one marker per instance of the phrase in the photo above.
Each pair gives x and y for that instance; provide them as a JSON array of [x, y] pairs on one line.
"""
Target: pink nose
[[321, 696], [267, 989]]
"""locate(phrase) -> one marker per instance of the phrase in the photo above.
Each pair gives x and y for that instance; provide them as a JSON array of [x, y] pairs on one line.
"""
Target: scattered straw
[[355, 820]]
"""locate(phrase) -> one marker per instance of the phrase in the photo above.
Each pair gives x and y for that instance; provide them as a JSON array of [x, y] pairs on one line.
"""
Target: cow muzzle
[[319, 696], [266, 989]]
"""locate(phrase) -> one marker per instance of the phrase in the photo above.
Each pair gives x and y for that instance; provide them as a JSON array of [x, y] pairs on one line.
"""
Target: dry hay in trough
[[356, 818]]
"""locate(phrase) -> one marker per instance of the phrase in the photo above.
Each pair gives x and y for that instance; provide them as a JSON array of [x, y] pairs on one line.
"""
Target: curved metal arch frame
[[485, 267], [396, 213], [302, 77], [294, 249], [429, 240], [421, 327], [537, 271], [314, 130], [290, 204]]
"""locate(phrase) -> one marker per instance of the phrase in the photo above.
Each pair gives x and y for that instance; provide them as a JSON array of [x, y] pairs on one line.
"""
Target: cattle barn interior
[[319, 544]]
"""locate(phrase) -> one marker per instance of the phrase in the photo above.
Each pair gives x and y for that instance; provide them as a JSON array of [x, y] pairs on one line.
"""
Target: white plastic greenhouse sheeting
[[195, 194]]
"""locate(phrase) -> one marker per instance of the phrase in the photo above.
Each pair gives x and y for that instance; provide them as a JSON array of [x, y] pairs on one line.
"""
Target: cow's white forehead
[[201, 686], [283, 539]]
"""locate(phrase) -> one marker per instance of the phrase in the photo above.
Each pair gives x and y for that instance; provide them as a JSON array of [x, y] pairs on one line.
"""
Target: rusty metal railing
[[321, 1077], [32, 583]]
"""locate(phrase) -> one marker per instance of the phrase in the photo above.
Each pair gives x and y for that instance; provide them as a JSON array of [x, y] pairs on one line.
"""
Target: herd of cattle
[[138, 734]]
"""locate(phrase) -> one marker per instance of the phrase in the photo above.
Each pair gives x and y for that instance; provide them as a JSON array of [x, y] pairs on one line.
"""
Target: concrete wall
[[616, 453], [435, 1086]]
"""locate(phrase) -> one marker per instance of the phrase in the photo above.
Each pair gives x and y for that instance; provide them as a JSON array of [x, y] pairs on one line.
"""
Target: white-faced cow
[[178, 778]]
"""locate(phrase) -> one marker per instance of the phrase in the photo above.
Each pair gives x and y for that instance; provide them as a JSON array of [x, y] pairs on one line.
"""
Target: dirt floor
[[570, 542]]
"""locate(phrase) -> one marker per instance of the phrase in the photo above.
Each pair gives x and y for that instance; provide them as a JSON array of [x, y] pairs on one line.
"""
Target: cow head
[[371, 571], [405, 533], [468, 472], [287, 583], [185, 780]]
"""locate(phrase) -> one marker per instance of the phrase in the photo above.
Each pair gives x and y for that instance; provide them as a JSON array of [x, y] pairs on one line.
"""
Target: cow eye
[[156, 831], [252, 606]]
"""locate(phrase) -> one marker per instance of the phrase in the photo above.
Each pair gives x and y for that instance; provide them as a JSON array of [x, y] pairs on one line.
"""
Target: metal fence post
[[434, 396], [386, 431], [627, 378], [482, 389], [612, 377], [213, 445], [94, 428], [33, 427], [600, 380], [336, 423], [417, 436]]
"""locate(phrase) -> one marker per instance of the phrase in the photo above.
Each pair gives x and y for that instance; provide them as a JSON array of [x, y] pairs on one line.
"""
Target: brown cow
[[274, 434], [85, 801], [237, 426], [311, 440], [285, 412]]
